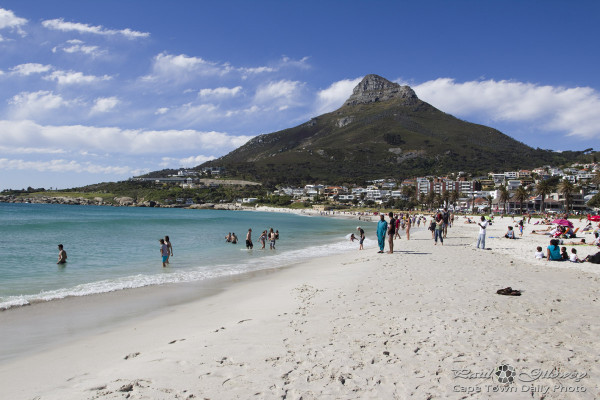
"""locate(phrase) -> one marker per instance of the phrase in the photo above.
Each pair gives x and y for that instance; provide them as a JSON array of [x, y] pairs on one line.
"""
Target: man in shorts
[[164, 252], [249, 244]]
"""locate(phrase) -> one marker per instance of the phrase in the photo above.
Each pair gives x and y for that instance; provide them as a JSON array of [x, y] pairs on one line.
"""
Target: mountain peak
[[374, 88]]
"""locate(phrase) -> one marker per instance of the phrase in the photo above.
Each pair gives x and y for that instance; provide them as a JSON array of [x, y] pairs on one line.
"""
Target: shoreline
[[17, 301], [353, 325]]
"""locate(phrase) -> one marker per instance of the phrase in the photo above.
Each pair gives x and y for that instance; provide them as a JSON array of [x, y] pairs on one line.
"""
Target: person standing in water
[[170, 247], [164, 252], [272, 239], [381, 232], [249, 244], [361, 233], [62, 255]]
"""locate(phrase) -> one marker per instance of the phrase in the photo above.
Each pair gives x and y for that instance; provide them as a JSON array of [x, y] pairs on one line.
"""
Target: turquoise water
[[116, 248]]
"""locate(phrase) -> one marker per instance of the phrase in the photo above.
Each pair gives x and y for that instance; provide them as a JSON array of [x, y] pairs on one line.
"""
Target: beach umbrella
[[563, 222]]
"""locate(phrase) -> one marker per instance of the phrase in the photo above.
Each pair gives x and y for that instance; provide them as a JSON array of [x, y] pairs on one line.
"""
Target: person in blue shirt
[[381, 233], [553, 251]]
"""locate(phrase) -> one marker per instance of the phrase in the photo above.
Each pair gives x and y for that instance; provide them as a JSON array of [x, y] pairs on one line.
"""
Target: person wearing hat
[[362, 237]]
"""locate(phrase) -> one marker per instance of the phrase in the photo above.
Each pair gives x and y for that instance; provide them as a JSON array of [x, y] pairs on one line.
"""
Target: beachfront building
[[344, 198], [422, 185], [498, 179], [213, 170], [513, 184], [409, 182], [186, 172]]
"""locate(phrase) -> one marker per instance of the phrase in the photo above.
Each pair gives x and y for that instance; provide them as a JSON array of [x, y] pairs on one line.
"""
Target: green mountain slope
[[383, 130]]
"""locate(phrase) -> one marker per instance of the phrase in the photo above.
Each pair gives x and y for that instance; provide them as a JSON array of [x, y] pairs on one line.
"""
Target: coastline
[[353, 325]]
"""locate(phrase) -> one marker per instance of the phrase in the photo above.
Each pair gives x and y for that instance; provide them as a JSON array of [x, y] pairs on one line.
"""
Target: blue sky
[[94, 91]]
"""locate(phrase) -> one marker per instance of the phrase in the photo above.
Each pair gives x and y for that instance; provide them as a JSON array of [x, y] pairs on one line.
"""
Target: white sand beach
[[424, 322]]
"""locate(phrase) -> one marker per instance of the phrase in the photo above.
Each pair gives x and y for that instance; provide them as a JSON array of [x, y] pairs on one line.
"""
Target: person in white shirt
[[539, 253], [481, 238], [573, 257]]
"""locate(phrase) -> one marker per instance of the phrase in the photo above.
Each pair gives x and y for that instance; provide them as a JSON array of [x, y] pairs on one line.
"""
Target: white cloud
[[29, 104], [77, 46], [30, 68], [64, 26], [220, 92], [573, 110], [115, 140], [181, 68], [72, 77], [30, 150], [187, 162], [105, 104], [284, 89], [255, 70], [61, 165], [190, 113], [161, 111], [333, 97], [9, 20], [289, 62]]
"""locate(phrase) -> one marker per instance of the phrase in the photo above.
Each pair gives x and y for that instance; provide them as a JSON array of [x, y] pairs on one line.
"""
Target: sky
[[96, 91]]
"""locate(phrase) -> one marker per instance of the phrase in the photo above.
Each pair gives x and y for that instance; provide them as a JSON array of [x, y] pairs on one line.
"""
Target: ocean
[[117, 248]]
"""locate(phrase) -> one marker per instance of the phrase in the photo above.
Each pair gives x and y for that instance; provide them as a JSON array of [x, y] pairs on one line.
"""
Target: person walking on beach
[[164, 252], [62, 255], [381, 232], [432, 226], [439, 228], [170, 247], [409, 223], [249, 244], [482, 227], [446, 218], [397, 235], [361, 234], [391, 232], [521, 227]]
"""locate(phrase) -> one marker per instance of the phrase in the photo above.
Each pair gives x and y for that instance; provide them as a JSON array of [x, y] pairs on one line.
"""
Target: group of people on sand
[[556, 253], [439, 225], [388, 231], [558, 235], [269, 235]]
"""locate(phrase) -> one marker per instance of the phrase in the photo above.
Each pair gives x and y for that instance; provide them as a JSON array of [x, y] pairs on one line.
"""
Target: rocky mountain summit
[[374, 88], [382, 130]]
